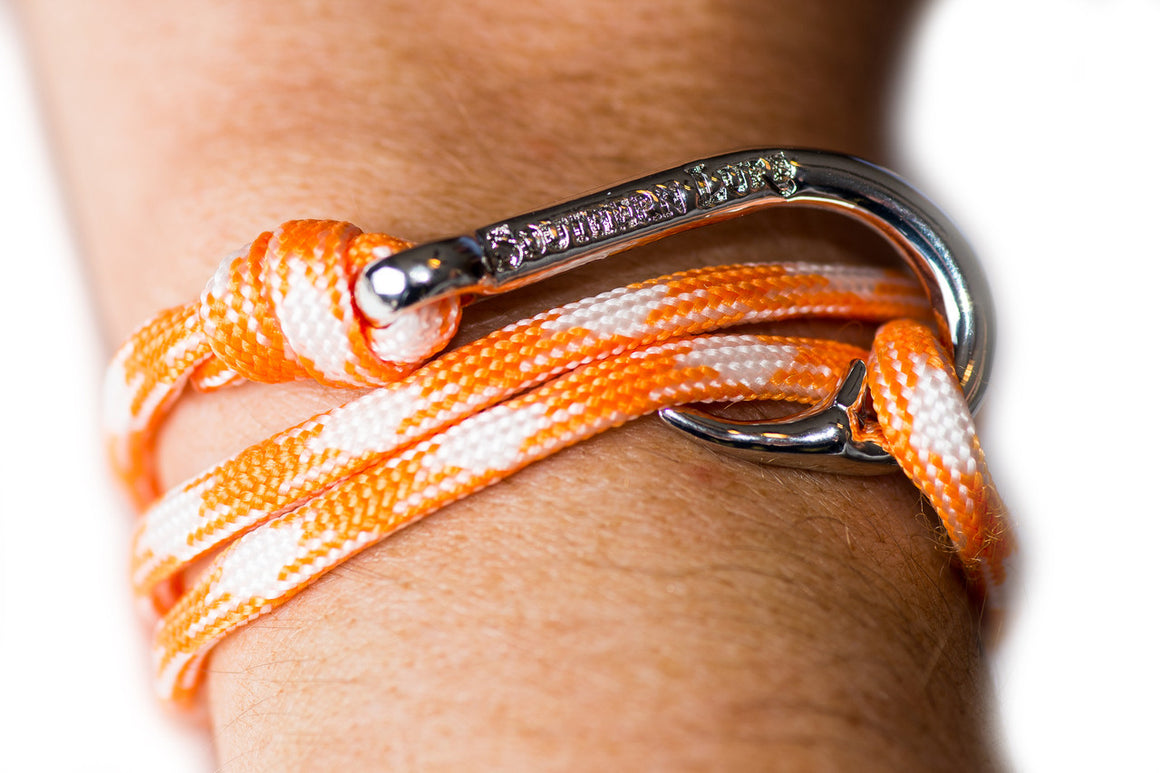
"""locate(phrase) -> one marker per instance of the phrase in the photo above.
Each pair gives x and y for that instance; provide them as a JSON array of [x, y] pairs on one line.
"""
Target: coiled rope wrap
[[288, 509]]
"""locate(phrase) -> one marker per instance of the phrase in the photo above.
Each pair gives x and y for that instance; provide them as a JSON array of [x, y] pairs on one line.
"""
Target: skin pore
[[634, 602]]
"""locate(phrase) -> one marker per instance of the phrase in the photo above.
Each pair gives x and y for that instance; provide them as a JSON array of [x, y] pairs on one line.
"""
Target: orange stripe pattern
[[288, 509]]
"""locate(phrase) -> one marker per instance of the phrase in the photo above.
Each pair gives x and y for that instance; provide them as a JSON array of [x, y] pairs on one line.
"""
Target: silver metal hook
[[530, 247]]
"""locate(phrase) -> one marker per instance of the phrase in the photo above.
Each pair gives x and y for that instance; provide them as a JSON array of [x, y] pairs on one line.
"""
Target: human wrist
[[392, 175]]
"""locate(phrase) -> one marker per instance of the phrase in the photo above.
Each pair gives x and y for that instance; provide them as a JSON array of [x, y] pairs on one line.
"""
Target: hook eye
[[819, 439]]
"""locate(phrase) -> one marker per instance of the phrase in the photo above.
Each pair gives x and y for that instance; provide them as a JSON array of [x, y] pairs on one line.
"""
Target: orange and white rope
[[287, 510]]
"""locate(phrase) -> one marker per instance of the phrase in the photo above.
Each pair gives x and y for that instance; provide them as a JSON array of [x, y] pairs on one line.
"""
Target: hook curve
[[819, 438]]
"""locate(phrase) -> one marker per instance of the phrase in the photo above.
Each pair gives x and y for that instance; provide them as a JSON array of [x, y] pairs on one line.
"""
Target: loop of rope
[[290, 508], [267, 566], [278, 310], [204, 513], [283, 309]]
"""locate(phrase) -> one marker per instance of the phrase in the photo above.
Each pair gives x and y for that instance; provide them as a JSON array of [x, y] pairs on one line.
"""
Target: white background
[[1033, 122]]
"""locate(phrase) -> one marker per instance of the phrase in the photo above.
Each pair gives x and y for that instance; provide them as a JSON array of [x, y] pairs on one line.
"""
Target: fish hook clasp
[[524, 249]]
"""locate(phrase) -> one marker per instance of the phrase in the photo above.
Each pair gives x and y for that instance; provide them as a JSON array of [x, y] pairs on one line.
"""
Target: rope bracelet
[[321, 299]]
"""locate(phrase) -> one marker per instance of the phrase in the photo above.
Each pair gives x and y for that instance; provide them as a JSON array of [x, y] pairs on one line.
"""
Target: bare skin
[[634, 602]]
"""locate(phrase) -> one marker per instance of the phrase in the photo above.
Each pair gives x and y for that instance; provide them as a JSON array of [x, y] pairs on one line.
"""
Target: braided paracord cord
[[287, 510]]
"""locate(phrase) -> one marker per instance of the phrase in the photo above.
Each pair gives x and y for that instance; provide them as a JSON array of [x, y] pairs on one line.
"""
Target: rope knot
[[283, 308]]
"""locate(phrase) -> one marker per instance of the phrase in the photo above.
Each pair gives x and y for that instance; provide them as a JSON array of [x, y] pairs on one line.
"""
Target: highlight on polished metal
[[524, 249], [819, 439]]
